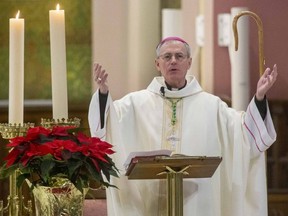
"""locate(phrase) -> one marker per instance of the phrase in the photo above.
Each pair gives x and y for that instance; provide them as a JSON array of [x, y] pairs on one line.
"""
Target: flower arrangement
[[43, 155]]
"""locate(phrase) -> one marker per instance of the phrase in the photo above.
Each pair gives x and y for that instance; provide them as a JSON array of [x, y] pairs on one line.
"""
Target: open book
[[149, 164], [146, 154]]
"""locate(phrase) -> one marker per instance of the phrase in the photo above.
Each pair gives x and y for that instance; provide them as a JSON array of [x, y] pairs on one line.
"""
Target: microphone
[[162, 91]]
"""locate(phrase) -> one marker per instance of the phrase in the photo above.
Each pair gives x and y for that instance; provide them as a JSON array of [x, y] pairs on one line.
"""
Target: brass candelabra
[[15, 200], [49, 123]]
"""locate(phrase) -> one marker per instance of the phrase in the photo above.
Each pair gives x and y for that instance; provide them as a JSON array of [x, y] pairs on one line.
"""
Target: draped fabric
[[204, 126]]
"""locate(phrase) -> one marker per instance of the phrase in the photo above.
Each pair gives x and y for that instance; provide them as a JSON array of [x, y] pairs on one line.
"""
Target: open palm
[[266, 81]]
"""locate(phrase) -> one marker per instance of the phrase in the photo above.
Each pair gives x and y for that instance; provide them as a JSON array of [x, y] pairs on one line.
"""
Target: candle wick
[[17, 15]]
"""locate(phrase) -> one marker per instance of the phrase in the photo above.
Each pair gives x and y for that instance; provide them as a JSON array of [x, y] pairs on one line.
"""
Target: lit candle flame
[[58, 7], [17, 15]]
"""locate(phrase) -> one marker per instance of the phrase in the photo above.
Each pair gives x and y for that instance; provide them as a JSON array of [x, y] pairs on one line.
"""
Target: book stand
[[174, 169]]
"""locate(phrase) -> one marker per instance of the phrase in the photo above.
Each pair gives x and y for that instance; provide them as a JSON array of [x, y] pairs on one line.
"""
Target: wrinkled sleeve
[[244, 137], [261, 133]]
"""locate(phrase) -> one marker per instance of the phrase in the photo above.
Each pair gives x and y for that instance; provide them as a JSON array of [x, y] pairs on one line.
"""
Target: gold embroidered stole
[[172, 127], [171, 139]]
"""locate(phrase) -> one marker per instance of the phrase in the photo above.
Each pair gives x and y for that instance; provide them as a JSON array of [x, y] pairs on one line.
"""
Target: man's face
[[173, 63]]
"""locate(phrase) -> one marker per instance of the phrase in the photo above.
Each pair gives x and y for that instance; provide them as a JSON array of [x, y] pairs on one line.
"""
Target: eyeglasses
[[168, 56]]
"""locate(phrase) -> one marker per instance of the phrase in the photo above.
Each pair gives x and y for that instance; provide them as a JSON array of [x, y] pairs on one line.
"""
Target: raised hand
[[265, 82], [100, 77]]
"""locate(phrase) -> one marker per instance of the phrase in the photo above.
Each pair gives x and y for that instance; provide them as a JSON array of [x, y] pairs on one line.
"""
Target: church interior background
[[122, 36]]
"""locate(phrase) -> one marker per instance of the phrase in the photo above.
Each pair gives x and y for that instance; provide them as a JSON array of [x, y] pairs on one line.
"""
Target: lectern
[[174, 169]]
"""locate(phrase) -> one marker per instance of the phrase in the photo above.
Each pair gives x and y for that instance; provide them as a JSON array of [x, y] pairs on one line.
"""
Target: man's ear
[[157, 64], [190, 62]]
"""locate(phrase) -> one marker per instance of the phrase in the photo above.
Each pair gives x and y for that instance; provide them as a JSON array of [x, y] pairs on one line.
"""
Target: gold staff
[[260, 36]]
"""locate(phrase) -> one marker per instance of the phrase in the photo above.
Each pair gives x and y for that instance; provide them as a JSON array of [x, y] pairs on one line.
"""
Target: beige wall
[[109, 41], [123, 42], [274, 17]]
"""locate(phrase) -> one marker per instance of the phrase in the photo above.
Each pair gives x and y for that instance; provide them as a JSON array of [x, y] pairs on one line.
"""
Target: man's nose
[[173, 58]]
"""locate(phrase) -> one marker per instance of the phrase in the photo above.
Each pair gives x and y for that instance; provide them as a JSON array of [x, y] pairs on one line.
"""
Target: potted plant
[[56, 160]]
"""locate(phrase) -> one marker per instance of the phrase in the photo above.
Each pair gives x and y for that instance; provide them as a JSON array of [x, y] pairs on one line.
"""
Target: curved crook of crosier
[[260, 36]]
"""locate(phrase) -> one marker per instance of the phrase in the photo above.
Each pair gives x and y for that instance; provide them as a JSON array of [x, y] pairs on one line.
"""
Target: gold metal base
[[15, 205], [15, 201], [175, 190]]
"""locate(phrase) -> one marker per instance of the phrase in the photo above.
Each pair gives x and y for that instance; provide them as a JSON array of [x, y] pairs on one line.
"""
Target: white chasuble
[[191, 122]]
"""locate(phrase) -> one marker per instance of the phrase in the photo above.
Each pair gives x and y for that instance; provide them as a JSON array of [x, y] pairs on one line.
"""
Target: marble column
[[143, 37], [172, 22], [202, 56], [190, 10], [240, 78]]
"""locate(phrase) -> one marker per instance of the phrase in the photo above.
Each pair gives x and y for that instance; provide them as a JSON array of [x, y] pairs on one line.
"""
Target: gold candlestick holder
[[15, 201], [9, 130], [49, 123]]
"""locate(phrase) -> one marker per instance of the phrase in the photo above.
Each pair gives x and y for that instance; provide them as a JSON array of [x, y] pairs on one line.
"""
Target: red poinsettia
[[62, 151]]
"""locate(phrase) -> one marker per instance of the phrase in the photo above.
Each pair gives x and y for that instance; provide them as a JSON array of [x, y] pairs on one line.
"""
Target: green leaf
[[44, 139], [94, 173], [81, 183], [46, 167], [73, 166], [109, 168], [6, 172]]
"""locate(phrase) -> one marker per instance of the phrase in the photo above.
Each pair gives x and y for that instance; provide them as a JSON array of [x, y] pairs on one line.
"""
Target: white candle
[[16, 69], [58, 63]]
